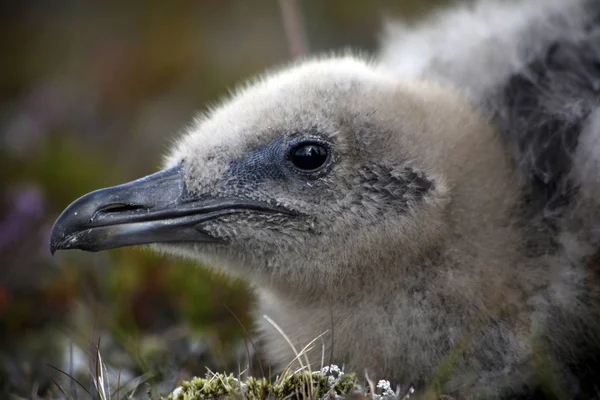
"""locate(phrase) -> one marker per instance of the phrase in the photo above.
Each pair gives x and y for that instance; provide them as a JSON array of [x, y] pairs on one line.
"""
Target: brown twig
[[293, 25], [249, 338], [71, 377], [59, 387]]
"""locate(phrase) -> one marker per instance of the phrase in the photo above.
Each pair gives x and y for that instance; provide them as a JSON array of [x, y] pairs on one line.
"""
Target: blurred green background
[[92, 95]]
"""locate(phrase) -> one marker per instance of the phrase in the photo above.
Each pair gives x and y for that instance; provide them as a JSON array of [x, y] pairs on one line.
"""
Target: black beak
[[154, 209]]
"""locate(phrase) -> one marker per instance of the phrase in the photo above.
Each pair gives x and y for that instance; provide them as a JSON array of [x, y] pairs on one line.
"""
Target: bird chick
[[392, 213]]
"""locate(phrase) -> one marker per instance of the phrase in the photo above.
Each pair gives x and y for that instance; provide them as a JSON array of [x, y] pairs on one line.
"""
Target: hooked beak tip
[[153, 209]]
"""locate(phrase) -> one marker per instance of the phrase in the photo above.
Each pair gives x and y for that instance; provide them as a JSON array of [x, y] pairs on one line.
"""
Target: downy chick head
[[310, 176]]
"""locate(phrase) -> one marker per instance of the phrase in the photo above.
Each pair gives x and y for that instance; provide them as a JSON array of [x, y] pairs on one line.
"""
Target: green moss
[[345, 384], [214, 387], [300, 385], [257, 389]]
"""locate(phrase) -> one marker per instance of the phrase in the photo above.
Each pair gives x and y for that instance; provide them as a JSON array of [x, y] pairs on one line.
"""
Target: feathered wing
[[544, 109], [533, 66]]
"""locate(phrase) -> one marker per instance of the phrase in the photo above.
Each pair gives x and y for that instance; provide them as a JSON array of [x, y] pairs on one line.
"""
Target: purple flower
[[25, 204]]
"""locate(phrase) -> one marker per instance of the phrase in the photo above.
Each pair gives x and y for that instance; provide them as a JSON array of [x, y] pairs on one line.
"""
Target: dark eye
[[309, 157]]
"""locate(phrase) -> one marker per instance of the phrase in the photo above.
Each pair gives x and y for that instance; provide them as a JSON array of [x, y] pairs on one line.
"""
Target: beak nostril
[[119, 208]]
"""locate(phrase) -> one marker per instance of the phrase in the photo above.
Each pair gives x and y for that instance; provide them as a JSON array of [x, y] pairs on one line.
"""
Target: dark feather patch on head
[[392, 187]]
